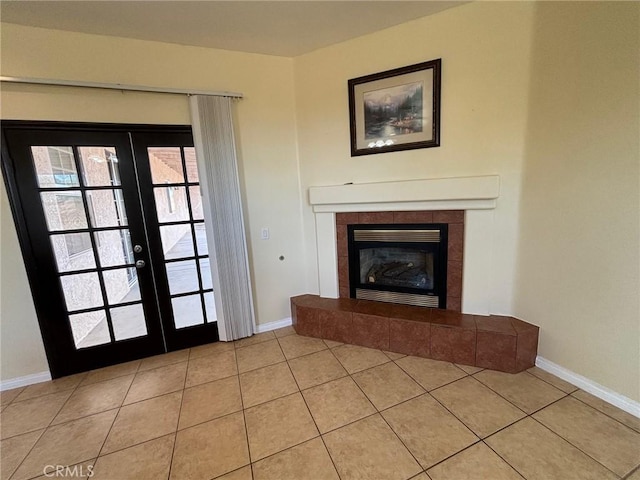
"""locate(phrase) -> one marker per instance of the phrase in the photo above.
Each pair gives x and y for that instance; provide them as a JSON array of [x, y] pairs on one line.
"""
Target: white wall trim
[[595, 389], [485, 187], [267, 327], [477, 196], [24, 381]]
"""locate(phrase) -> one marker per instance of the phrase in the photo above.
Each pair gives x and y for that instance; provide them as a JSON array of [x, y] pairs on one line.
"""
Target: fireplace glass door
[[399, 263]]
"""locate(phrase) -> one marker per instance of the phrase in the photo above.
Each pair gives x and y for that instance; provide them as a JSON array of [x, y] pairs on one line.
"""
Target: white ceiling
[[285, 28]]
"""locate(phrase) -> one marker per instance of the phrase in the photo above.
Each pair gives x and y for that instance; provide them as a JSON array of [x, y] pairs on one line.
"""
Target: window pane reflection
[[187, 311], [55, 167], [171, 204], [89, 329], [166, 165], [64, 210], [114, 247], [73, 251], [99, 166], [177, 241], [128, 322], [81, 291], [122, 285]]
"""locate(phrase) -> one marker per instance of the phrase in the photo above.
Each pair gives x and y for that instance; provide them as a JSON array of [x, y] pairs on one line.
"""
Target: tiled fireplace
[[453, 219], [465, 332]]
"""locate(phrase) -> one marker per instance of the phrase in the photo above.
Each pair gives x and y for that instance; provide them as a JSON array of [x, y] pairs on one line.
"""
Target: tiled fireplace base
[[495, 342]]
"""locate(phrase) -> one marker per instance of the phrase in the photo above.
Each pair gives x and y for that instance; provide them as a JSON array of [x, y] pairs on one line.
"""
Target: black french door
[[111, 227]]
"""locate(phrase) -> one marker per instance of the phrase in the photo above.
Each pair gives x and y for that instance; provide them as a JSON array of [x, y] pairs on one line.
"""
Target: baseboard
[[267, 327], [24, 381], [595, 389]]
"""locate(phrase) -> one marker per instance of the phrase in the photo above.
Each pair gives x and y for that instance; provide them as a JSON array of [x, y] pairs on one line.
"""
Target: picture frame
[[395, 110]]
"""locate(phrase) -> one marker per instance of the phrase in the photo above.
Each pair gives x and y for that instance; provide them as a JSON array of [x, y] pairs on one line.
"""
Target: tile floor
[[281, 406]]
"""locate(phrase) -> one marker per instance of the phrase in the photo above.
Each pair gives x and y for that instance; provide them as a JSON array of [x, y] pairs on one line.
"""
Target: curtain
[[212, 122]]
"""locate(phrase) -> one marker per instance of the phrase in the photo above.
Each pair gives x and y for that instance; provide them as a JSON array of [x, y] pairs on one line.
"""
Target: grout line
[[29, 452], [570, 443], [604, 413], [379, 413], [116, 416], [45, 428], [244, 419], [320, 434], [628, 474], [175, 434], [498, 454]]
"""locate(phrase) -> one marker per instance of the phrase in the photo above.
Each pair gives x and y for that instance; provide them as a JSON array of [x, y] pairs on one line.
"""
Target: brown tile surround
[[455, 220], [495, 342]]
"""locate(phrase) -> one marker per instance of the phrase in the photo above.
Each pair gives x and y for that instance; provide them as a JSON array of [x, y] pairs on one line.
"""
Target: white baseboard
[[267, 327], [24, 381], [595, 389]]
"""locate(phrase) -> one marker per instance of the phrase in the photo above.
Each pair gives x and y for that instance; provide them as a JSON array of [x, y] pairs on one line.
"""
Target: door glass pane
[[166, 165], [63, 210], [191, 164], [205, 271], [201, 239], [73, 251], [81, 291], [196, 203], [210, 307], [177, 241], [121, 285], [106, 208], [55, 167], [114, 247], [171, 204], [99, 166], [187, 311], [182, 276], [89, 329], [128, 322]]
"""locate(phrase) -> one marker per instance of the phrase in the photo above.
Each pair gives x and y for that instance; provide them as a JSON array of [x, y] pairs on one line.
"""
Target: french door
[[111, 227]]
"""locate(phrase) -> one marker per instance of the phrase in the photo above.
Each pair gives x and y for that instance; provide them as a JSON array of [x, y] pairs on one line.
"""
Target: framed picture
[[395, 110]]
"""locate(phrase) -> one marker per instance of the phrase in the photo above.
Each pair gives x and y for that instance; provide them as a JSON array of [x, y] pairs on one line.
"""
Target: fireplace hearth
[[399, 263]]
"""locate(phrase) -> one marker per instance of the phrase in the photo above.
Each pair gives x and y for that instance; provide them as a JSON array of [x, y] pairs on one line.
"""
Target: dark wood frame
[[55, 333], [434, 141]]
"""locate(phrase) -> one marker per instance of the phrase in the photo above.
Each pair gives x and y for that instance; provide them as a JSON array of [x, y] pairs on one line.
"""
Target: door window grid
[[188, 187], [82, 240]]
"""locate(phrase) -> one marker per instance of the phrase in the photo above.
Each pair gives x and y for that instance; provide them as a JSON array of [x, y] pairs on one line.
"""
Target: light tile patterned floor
[[279, 406]]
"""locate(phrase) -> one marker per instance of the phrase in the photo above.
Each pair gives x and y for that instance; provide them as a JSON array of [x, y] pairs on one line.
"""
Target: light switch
[[264, 233]]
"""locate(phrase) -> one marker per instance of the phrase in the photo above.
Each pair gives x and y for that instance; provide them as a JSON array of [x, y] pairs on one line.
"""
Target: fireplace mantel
[[477, 196]]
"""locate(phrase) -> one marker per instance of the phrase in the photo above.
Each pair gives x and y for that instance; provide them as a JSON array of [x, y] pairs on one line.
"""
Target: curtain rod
[[116, 86]]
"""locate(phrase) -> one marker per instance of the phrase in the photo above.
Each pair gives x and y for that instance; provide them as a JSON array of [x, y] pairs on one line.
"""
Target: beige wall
[[266, 141], [578, 262], [21, 349], [485, 49]]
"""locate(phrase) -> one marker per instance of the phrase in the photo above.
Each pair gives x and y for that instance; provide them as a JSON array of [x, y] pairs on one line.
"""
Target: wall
[[266, 134], [485, 49], [21, 349], [578, 262]]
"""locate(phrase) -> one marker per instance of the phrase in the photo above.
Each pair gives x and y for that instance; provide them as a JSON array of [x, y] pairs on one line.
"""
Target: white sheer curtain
[[212, 123]]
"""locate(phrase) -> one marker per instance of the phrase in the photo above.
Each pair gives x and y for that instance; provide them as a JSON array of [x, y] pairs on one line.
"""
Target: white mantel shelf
[[460, 193], [477, 196]]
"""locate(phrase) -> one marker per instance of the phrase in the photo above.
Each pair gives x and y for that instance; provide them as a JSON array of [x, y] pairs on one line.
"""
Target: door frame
[[58, 360]]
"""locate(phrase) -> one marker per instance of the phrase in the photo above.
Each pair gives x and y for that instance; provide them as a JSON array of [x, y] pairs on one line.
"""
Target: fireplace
[[399, 263]]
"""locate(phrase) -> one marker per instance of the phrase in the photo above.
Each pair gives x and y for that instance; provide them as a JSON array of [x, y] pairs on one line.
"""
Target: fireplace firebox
[[399, 263]]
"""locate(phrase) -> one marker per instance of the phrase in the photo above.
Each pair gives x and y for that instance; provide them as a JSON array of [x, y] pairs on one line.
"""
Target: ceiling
[[284, 28]]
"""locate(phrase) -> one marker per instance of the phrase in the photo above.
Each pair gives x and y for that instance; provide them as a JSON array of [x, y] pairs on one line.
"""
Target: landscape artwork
[[393, 111]]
